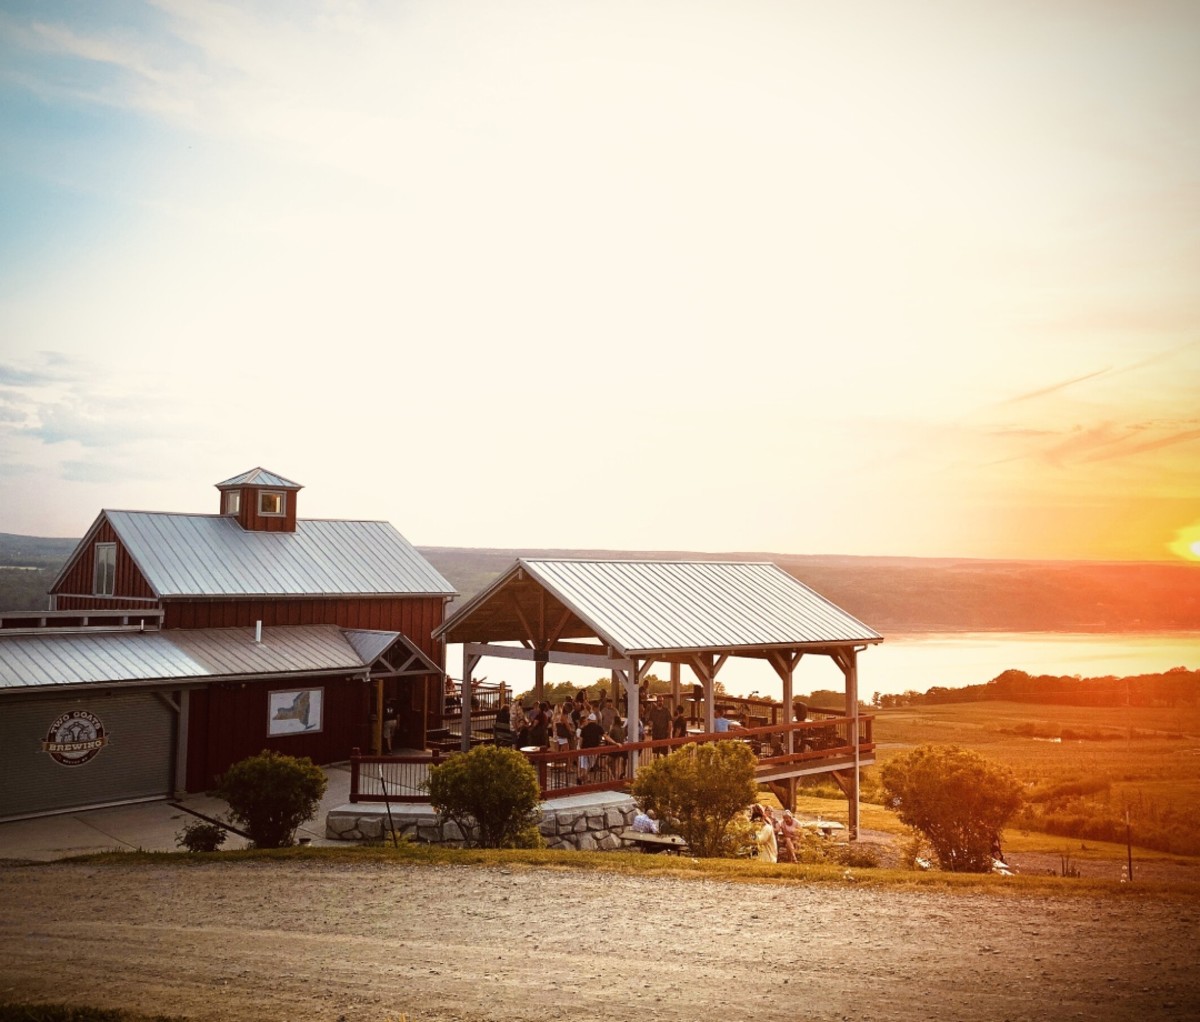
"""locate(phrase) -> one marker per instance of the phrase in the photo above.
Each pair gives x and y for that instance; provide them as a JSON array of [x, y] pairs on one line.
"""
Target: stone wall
[[575, 824]]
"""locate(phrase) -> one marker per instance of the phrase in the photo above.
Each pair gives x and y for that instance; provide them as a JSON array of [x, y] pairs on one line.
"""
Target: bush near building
[[270, 795], [698, 790], [492, 794]]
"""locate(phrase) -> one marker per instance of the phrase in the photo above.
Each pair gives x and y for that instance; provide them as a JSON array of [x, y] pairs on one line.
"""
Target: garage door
[[66, 753]]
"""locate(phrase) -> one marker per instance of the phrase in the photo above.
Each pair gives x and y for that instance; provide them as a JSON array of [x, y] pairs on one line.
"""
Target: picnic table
[[826, 827], [672, 844]]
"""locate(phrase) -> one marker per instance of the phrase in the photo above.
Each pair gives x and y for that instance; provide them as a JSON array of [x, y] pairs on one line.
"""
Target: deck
[[816, 747]]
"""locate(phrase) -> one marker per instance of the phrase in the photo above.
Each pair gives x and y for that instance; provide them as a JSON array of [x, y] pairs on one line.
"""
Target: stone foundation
[[585, 823]]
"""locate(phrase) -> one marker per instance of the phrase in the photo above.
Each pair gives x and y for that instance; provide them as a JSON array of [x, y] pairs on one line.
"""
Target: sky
[[874, 278]]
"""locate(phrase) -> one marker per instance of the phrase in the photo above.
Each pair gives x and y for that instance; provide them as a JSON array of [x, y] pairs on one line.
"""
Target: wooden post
[[181, 742], [1128, 846], [631, 716], [377, 727], [851, 672]]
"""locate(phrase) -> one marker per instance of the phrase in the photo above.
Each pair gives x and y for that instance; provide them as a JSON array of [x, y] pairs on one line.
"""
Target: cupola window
[[271, 502]]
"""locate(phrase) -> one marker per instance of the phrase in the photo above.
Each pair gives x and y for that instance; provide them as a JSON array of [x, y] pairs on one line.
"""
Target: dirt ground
[[373, 941]]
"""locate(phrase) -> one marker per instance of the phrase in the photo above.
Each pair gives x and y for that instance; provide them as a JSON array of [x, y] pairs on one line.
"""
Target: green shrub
[[698, 790], [270, 795], [492, 794], [858, 856], [956, 798], [201, 836]]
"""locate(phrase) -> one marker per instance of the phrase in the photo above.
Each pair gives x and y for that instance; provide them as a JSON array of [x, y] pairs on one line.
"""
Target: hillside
[[908, 594], [891, 594]]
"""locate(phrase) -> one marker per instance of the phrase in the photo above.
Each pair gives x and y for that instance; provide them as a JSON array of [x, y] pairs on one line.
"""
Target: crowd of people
[[575, 723]]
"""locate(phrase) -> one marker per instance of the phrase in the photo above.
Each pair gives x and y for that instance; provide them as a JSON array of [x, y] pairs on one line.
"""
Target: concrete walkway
[[154, 826], [146, 826]]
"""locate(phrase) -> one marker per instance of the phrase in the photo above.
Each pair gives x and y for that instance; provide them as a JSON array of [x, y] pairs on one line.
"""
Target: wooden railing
[[572, 771]]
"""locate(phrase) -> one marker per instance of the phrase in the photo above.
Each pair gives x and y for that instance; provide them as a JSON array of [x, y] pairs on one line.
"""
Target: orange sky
[[868, 279]]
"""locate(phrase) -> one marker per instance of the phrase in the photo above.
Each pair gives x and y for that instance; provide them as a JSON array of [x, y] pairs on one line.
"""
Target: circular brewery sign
[[74, 738]]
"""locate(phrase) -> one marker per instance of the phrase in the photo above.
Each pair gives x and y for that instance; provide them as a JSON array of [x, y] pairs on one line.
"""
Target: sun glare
[[1187, 542]]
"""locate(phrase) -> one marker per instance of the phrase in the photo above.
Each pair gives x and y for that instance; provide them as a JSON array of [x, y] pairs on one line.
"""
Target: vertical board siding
[[229, 722], [415, 617], [77, 582]]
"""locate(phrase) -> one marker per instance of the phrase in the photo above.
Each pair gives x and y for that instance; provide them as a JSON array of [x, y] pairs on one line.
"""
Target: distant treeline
[[1171, 688], [28, 564]]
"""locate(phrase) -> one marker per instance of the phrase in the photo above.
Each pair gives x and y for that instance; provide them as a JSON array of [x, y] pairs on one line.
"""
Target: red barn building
[[177, 644]]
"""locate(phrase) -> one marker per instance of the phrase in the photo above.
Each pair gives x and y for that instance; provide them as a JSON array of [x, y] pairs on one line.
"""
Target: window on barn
[[233, 502], [270, 502], [105, 578]]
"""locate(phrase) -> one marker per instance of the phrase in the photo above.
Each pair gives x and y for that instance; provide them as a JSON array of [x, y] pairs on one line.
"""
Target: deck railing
[[814, 743]]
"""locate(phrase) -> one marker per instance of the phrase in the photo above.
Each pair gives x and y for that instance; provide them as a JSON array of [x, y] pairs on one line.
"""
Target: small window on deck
[[105, 578], [233, 502], [270, 503]]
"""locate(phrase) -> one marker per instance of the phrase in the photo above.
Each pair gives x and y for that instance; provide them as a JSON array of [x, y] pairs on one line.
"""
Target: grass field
[[1082, 767]]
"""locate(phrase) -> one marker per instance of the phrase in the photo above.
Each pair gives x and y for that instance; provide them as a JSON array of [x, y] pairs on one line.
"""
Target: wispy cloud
[[1054, 388], [59, 400]]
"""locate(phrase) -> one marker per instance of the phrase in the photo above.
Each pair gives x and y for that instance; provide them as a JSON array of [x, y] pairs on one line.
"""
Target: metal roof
[[370, 645], [650, 606], [212, 555], [52, 659], [261, 477]]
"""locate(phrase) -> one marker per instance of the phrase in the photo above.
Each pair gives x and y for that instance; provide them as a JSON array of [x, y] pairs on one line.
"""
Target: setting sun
[[1187, 542]]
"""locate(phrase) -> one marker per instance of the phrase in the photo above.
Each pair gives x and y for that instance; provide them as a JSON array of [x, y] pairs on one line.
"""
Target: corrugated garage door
[[67, 753]]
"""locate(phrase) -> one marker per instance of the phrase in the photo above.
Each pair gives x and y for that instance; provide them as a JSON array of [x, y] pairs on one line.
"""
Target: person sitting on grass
[[789, 836], [764, 834]]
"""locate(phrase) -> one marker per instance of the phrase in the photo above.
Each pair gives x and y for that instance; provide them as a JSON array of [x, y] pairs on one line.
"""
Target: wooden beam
[[563, 621], [601, 661]]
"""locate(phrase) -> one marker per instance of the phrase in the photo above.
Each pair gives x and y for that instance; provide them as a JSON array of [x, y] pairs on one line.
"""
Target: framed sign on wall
[[295, 711]]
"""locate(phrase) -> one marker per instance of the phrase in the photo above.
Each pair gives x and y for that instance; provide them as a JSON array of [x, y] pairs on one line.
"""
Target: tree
[[699, 789], [491, 793], [271, 795], [956, 798]]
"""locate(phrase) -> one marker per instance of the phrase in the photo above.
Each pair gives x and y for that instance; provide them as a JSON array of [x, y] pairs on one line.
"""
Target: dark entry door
[[411, 702]]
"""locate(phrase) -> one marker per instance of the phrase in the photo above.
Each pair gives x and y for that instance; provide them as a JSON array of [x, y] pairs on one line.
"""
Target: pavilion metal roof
[[212, 555], [54, 659], [641, 607]]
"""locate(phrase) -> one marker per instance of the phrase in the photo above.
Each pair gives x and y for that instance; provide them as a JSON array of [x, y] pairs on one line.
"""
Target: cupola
[[260, 501]]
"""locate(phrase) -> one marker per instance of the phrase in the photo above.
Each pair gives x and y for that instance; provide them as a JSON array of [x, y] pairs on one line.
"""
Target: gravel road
[[257, 942]]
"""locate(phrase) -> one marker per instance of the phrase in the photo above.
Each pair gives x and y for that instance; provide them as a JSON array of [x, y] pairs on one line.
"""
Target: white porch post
[[850, 669], [631, 720], [469, 662]]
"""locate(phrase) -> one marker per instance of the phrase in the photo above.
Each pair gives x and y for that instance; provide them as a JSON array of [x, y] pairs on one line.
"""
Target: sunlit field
[[1083, 767]]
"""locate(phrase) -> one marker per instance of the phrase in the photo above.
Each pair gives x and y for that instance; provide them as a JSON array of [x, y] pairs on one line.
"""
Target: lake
[[903, 662]]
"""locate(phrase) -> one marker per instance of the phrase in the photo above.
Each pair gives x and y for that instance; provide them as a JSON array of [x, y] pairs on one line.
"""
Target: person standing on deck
[[679, 723], [390, 720], [660, 723]]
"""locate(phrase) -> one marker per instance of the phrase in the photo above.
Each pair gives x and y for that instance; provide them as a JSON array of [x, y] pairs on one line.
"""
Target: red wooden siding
[[252, 521], [416, 617], [228, 722], [74, 590]]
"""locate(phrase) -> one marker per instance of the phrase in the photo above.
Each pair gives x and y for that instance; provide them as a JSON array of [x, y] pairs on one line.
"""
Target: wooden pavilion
[[626, 616]]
